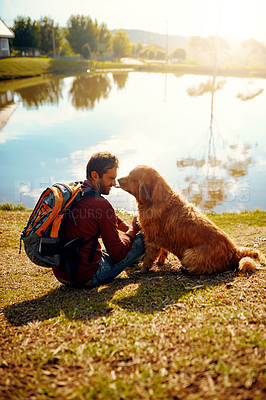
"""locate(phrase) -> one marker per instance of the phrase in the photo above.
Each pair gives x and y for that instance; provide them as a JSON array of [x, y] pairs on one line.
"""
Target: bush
[[13, 207]]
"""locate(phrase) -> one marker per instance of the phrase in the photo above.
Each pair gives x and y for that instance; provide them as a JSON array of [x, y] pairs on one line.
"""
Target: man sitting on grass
[[93, 217]]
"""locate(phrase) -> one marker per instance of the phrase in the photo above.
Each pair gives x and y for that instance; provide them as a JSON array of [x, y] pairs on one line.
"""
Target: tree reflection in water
[[120, 79], [46, 93], [250, 95], [214, 180], [87, 89]]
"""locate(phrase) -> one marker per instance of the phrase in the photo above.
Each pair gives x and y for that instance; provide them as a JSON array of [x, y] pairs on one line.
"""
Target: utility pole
[[53, 35], [166, 43]]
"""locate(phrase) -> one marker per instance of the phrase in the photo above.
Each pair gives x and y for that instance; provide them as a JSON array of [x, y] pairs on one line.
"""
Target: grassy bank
[[25, 67], [163, 335], [15, 68]]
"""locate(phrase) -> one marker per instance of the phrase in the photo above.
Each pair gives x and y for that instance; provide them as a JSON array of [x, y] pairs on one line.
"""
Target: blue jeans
[[108, 270]]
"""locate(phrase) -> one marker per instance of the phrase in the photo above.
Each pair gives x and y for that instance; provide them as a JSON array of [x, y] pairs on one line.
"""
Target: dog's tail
[[250, 260]]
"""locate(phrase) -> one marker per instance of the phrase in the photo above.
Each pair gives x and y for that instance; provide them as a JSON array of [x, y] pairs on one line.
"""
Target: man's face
[[107, 180]]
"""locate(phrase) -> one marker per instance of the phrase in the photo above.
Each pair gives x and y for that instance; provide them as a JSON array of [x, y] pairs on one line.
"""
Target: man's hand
[[135, 223], [134, 228]]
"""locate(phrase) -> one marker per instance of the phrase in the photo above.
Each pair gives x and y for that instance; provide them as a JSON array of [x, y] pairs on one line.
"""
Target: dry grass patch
[[163, 335]]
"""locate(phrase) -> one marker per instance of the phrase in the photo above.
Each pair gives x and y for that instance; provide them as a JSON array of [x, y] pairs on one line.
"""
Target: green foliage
[[121, 44], [67, 67], [179, 53], [249, 218], [13, 207], [104, 39], [86, 37], [27, 33], [81, 31], [65, 49], [36, 35], [152, 53], [49, 34], [136, 49]]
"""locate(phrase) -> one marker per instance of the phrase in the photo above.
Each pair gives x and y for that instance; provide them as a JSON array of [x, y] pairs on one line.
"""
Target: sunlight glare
[[237, 19]]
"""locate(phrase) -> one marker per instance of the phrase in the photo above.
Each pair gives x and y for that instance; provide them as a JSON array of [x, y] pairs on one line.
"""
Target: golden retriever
[[171, 224]]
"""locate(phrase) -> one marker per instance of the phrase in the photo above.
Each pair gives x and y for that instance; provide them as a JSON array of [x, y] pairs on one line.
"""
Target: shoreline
[[28, 67]]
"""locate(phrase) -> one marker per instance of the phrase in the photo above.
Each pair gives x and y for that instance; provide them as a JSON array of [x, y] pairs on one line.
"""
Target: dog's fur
[[171, 224]]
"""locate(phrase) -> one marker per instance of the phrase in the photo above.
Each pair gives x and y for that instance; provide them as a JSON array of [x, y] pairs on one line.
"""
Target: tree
[[136, 49], [104, 39], [179, 53], [152, 52], [81, 31], [65, 49], [49, 35], [27, 33], [255, 51], [207, 49], [121, 44]]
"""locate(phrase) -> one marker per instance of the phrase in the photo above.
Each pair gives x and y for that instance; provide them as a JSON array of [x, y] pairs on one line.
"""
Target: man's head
[[102, 171]]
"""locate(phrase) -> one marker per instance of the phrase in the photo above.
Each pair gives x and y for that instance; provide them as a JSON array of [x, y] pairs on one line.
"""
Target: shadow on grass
[[67, 67], [151, 293]]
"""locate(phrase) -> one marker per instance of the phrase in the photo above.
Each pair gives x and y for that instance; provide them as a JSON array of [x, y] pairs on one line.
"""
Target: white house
[[5, 34]]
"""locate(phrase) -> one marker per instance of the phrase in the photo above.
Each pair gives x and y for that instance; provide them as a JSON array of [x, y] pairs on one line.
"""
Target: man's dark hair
[[101, 162]]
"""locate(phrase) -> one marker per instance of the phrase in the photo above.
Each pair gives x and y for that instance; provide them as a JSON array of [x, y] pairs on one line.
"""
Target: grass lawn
[[162, 335], [26, 67], [15, 68]]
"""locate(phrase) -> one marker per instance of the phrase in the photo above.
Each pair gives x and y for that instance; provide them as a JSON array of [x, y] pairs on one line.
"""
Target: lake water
[[206, 135]]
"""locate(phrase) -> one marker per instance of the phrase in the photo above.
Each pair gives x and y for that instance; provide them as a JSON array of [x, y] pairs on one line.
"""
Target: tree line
[[82, 36], [87, 38]]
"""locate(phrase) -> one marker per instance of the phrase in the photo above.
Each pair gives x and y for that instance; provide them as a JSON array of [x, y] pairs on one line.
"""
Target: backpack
[[41, 236]]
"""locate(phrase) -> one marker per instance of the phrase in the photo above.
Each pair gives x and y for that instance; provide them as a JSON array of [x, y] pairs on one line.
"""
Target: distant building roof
[[5, 31]]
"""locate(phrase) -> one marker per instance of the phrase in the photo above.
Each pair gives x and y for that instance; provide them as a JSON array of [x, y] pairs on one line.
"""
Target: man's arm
[[117, 246], [122, 225]]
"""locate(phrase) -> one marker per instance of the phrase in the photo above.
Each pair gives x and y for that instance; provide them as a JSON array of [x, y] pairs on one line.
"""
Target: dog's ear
[[145, 193], [158, 191]]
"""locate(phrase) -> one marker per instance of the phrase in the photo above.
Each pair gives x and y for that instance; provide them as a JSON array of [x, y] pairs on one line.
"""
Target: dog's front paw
[[162, 257]]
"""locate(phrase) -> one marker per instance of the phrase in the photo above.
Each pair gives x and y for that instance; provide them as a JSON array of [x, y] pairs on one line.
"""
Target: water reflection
[[84, 92], [45, 93], [250, 95], [203, 137], [120, 79], [211, 86], [212, 179], [7, 107], [6, 98], [87, 89]]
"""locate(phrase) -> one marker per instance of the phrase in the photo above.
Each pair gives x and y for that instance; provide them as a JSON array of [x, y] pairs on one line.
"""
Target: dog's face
[[146, 184]]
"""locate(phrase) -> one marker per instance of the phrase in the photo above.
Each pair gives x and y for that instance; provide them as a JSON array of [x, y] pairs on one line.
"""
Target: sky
[[236, 19]]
